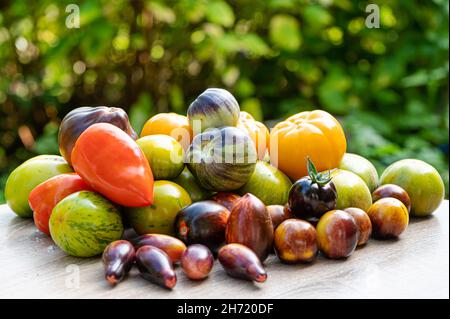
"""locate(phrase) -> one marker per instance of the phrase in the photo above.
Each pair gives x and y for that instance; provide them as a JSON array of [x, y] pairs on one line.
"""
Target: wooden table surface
[[414, 266]]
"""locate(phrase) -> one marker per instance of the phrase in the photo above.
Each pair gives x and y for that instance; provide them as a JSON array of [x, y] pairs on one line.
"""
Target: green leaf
[[47, 143], [141, 111], [177, 99], [316, 16], [284, 32], [162, 12], [254, 45], [220, 12], [253, 106], [333, 91]]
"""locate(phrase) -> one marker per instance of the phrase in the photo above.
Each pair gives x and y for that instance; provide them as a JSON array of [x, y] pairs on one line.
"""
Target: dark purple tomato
[[118, 258], [312, 196], [204, 223], [156, 266], [197, 262]]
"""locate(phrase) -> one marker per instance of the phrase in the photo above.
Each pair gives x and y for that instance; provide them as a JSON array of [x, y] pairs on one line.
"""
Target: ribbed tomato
[[112, 163], [257, 131], [316, 134], [44, 197]]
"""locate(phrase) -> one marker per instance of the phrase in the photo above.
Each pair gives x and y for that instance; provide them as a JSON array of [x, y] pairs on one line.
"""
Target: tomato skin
[[112, 163], [44, 197], [316, 134], [79, 119], [257, 131], [171, 124]]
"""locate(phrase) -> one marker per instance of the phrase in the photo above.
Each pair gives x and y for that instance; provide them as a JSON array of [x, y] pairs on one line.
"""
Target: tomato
[[79, 119], [316, 134], [27, 176], [44, 197], [159, 218], [257, 131], [112, 163], [420, 180], [164, 154], [172, 124]]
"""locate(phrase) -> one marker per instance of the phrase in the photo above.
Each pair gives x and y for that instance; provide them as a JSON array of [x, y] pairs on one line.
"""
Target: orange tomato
[[171, 124], [257, 131], [316, 134], [112, 163]]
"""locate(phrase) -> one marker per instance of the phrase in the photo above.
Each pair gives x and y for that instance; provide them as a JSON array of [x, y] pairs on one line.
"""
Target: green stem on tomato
[[320, 178]]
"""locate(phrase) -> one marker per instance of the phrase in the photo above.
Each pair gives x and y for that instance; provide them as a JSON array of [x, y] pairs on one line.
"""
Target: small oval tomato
[[46, 195], [257, 131], [112, 163], [171, 124], [316, 134]]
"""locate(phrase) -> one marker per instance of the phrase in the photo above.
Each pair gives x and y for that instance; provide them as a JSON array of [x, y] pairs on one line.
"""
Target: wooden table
[[415, 266]]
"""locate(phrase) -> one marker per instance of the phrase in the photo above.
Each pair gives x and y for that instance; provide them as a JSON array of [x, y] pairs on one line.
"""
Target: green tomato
[[361, 167], [84, 223], [191, 185], [169, 198], [27, 176], [164, 154], [420, 180], [352, 191], [269, 184]]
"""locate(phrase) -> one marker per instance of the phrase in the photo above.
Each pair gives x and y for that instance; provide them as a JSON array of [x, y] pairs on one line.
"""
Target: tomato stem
[[322, 178]]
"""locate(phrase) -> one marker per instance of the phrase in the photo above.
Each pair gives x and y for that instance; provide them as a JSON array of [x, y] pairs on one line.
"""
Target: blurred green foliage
[[389, 86]]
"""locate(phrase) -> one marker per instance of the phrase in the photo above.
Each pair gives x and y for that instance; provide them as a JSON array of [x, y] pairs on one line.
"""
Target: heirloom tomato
[[158, 218], [79, 119], [420, 180], [257, 131], [315, 134], [112, 163], [171, 124], [27, 176], [45, 196]]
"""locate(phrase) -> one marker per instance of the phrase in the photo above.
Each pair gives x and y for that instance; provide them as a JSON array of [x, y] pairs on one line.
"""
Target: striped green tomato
[[84, 223], [222, 159]]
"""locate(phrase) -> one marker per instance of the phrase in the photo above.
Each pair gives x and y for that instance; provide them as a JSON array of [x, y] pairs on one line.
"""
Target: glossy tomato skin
[[309, 200], [171, 124], [44, 197], [392, 190], [295, 241], [337, 234], [226, 199], [204, 223], [27, 176], [257, 131], [389, 217], [79, 119], [112, 163], [316, 134]]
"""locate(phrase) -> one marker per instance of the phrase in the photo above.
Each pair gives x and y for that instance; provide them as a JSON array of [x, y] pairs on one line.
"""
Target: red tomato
[[112, 163], [46, 195]]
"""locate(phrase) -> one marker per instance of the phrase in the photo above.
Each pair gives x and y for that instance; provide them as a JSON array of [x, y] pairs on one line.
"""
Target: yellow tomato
[[257, 131], [171, 124], [316, 134]]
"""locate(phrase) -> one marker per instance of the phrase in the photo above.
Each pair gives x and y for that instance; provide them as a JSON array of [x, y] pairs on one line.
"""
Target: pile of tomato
[[213, 184]]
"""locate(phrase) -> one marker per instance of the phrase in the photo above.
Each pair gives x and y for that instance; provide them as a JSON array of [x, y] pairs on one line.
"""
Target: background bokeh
[[388, 86]]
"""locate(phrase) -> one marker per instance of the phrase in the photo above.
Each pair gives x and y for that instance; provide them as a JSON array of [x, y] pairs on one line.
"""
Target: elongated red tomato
[[46, 195], [112, 163]]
